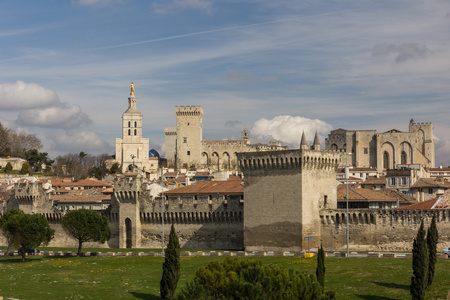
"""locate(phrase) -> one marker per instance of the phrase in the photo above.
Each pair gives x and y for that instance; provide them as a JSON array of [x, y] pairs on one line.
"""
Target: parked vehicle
[[28, 250], [446, 251]]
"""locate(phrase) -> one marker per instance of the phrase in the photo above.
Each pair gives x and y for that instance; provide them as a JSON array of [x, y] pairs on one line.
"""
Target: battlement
[[284, 159], [224, 142], [170, 131], [189, 111], [388, 218], [27, 189], [127, 184]]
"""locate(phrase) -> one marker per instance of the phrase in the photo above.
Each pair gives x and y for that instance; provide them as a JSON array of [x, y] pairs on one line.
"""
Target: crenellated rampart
[[380, 229]]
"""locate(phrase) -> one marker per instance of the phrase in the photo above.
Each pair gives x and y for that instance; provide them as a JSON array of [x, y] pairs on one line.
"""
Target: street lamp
[[163, 204], [346, 182]]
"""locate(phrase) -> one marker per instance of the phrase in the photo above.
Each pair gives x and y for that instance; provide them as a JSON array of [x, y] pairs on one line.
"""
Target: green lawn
[[136, 277]]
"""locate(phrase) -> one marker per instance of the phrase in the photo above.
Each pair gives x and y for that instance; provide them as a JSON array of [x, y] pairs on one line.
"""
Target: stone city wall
[[392, 230]]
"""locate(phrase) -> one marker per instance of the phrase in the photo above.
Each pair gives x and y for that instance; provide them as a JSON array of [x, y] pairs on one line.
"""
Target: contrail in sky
[[207, 32]]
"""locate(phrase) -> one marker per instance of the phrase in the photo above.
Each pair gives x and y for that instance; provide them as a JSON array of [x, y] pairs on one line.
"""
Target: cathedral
[[132, 151]]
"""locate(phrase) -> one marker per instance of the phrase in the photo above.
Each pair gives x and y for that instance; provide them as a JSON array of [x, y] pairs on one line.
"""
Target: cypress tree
[[320, 271], [171, 266], [432, 240], [420, 266]]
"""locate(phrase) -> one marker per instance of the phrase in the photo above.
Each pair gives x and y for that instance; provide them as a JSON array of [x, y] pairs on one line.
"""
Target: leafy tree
[[420, 266], [86, 226], [320, 271], [249, 279], [28, 231], [3, 221], [115, 168], [25, 168], [171, 266], [432, 240], [37, 159], [97, 173], [8, 167]]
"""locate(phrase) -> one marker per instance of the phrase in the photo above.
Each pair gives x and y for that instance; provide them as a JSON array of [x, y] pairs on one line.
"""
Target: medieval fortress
[[288, 194]]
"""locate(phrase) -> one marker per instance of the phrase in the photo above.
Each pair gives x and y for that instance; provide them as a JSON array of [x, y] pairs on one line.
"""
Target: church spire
[[303, 145]]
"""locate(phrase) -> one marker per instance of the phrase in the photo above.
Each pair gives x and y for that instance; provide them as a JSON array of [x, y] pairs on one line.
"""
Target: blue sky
[[274, 67]]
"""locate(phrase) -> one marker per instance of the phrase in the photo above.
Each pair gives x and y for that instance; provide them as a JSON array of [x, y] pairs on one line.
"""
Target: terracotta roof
[[210, 187], [431, 182], [201, 174], [360, 194], [71, 198], [403, 199], [375, 180], [447, 169], [421, 205], [83, 182]]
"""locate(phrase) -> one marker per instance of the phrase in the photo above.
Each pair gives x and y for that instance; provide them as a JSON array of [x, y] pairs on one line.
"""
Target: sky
[[276, 68]]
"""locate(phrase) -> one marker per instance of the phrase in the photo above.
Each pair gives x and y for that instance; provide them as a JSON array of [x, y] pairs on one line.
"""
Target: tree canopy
[[86, 226], [3, 221], [17, 143], [249, 279], [28, 231]]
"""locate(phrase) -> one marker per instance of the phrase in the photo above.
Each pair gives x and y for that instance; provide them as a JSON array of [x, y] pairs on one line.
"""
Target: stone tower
[[132, 148], [125, 202], [189, 136], [284, 192]]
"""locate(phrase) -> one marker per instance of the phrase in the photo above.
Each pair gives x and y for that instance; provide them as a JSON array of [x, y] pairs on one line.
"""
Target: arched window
[[129, 131], [386, 160], [403, 158], [135, 124], [135, 132], [129, 124]]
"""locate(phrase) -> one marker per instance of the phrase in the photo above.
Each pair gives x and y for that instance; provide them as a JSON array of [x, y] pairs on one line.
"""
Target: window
[[404, 181], [129, 124], [184, 139], [403, 158], [386, 160], [135, 132], [189, 153], [430, 191], [325, 198], [135, 124], [393, 181], [366, 150], [129, 131]]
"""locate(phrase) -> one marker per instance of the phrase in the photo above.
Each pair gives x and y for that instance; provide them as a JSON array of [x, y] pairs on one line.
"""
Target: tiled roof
[[441, 202], [431, 182], [375, 180], [83, 182], [402, 198], [71, 198], [210, 187], [360, 194], [444, 169]]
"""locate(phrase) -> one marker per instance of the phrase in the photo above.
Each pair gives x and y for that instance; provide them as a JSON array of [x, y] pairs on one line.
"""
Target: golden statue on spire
[[132, 89]]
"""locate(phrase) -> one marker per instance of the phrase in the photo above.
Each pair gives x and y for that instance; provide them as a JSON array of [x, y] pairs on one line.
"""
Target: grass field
[[137, 277]]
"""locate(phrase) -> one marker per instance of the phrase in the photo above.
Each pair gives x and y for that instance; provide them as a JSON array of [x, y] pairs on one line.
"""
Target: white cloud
[[85, 141], [288, 129], [22, 95], [61, 116]]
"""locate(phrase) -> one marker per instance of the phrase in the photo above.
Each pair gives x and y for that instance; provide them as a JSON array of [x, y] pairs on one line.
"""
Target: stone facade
[[186, 149], [132, 149], [284, 192], [385, 150]]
